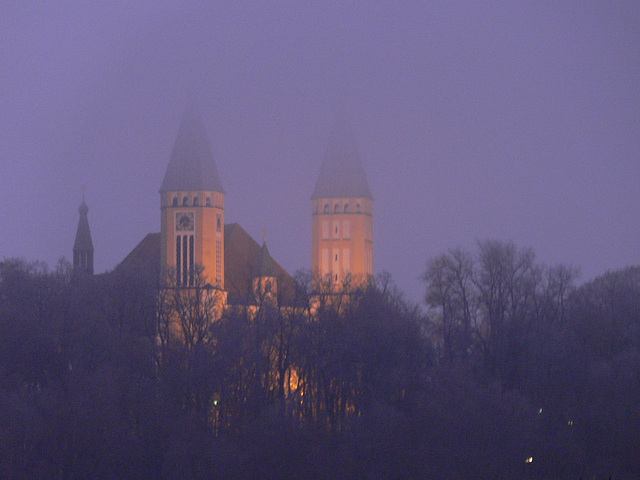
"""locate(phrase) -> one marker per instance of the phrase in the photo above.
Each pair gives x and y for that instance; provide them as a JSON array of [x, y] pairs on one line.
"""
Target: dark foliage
[[512, 362]]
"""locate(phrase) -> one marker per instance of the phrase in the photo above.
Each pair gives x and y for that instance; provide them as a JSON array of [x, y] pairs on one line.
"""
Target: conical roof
[[83, 233], [341, 172], [266, 266], [192, 166]]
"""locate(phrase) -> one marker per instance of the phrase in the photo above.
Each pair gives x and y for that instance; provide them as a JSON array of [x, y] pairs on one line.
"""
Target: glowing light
[[528, 460], [540, 411], [570, 422]]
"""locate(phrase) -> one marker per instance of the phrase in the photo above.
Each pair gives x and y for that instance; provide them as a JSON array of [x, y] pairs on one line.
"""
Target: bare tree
[[187, 314], [450, 292]]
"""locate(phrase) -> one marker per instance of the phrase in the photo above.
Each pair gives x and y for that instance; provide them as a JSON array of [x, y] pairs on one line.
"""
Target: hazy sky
[[475, 120]]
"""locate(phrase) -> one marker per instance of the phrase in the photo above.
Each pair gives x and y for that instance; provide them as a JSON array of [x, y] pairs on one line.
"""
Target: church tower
[[192, 208], [342, 212], [83, 246]]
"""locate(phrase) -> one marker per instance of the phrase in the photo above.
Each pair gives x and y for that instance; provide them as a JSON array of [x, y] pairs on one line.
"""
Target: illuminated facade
[[192, 209], [342, 213]]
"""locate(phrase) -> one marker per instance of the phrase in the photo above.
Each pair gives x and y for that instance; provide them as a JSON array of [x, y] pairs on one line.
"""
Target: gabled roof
[[144, 258], [192, 166], [341, 172], [83, 240]]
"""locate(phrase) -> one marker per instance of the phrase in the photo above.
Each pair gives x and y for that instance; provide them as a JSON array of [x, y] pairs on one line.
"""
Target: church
[[195, 245]]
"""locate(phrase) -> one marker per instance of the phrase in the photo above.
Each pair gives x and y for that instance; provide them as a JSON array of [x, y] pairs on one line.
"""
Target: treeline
[[513, 372]]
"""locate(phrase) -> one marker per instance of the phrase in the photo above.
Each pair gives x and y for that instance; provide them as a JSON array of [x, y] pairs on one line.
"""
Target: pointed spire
[[192, 166], [266, 266], [341, 172], [83, 233], [83, 245]]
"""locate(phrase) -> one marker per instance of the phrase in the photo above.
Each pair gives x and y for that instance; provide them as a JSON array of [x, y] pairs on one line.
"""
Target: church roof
[[266, 266], [241, 258], [144, 258], [341, 172], [83, 233], [192, 166]]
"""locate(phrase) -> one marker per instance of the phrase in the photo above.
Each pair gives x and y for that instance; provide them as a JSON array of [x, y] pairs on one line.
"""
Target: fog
[[515, 122]]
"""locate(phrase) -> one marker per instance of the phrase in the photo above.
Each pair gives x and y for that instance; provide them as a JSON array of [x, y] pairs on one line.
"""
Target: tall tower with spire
[[83, 245], [192, 208], [342, 212]]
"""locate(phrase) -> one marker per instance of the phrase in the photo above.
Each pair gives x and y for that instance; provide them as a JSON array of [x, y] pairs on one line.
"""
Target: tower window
[[358, 209], [346, 208], [219, 223], [185, 201], [218, 262], [195, 201], [326, 208], [185, 260], [175, 201], [185, 267], [191, 262], [178, 260], [336, 209], [208, 201]]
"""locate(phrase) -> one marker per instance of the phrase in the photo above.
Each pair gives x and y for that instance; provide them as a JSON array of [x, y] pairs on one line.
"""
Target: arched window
[[326, 208], [346, 208], [185, 201], [208, 201], [195, 201], [336, 208], [358, 209], [175, 201]]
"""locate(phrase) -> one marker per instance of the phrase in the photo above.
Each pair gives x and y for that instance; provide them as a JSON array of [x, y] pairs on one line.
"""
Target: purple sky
[[474, 120]]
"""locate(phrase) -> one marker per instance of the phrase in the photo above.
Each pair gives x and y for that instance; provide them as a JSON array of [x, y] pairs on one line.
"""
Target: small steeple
[[265, 281], [192, 166], [83, 245], [266, 267], [341, 172]]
